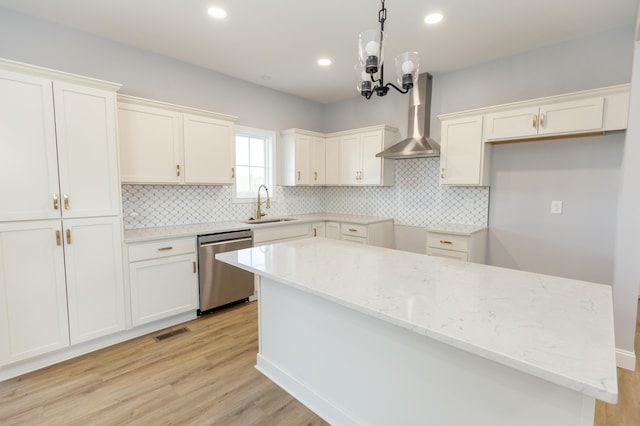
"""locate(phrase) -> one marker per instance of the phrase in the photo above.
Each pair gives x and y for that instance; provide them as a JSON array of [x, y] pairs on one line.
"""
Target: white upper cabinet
[[301, 156], [87, 151], [28, 147], [208, 150], [64, 166], [150, 144], [359, 165], [171, 144], [591, 111], [464, 158], [332, 161]]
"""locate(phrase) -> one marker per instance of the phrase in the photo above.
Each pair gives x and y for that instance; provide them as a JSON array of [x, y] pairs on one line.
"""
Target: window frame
[[270, 161]]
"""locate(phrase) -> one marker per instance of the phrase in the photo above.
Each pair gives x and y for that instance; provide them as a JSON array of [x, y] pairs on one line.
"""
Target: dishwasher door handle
[[217, 243]]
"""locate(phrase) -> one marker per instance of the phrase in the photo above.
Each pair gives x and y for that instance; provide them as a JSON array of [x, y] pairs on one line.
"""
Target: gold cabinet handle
[[299, 176], [194, 267], [535, 121], [315, 232], [68, 236], [315, 176], [233, 173], [177, 169], [58, 240], [165, 248], [353, 230], [442, 173], [445, 242], [65, 197], [56, 204], [541, 120]]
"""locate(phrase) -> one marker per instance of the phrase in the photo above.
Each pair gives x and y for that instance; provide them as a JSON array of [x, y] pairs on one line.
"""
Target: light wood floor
[[202, 377]]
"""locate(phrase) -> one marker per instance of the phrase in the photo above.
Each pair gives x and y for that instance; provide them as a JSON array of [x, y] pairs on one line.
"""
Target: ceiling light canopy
[[370, 68], [433, 18], [217, 13]]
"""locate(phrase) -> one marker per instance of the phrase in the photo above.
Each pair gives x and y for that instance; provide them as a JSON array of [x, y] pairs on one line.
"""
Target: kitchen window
[[254, 163]]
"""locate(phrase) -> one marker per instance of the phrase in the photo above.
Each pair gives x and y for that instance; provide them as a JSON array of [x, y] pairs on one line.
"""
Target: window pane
[[242, 150], [243, 180], [257, 178], [256, 152]]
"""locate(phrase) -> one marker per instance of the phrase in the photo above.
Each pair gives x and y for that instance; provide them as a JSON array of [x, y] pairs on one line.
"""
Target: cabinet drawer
[[359, 240], [163, 248], [450, 254], [353, 230], [447, 241], [280, 232]]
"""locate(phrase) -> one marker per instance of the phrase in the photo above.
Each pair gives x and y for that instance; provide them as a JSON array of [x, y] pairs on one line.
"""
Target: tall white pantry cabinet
[[61, 275]]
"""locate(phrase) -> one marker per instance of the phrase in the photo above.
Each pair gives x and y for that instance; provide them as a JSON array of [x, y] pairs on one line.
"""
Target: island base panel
[[352, 368]]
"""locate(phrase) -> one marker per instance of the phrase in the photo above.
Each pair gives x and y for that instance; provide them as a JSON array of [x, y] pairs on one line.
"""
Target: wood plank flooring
[[203, 377]]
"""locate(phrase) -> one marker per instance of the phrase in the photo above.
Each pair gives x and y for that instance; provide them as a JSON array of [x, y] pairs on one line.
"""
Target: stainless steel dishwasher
[[220, 283]]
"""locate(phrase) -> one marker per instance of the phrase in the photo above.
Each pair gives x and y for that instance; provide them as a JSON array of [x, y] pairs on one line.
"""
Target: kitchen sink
[[264, 221]]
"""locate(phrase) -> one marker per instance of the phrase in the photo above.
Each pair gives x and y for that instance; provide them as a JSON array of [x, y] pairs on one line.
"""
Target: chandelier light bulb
[[408, 67], [372, 48]]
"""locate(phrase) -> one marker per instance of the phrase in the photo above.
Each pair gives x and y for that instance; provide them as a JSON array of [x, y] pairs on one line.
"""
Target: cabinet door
[[208, 150], [303, 160], [462, 152], [449, 254], [371, 169], [163, 287], [332, 161], [33, 299], [28, 157], [150, 144], [512, 124], [317, 161], [87, 151], [572, 117], [350, 160], [95, 289], [318, 229], [332, 230]]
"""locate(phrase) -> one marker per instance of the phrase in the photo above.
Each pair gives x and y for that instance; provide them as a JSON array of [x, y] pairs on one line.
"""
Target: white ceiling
[[276, 43]]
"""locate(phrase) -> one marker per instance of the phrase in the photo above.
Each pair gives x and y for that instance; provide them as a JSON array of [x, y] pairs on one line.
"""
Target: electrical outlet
[[469, 204], [556, 207]]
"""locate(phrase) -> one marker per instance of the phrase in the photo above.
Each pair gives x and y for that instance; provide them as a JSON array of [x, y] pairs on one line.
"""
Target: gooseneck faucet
[[259, 213]]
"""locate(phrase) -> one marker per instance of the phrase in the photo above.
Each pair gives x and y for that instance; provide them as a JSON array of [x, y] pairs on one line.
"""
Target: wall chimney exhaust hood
[[418, 144]]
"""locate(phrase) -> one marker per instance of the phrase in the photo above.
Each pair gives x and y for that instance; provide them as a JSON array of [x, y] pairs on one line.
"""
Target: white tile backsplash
[[417, 199]]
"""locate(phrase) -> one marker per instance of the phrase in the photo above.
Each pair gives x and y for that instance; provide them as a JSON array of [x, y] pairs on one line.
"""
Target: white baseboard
[[626, 359]]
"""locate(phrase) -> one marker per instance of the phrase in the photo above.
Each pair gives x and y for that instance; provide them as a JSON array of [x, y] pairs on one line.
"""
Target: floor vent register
[[165, 336]]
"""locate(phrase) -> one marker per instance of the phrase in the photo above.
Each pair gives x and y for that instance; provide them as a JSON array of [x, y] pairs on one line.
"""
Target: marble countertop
[[557, 329], [149, 234], [455, 228]]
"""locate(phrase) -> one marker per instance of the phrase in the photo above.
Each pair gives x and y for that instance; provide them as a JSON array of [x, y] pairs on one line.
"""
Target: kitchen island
[[366, 335]]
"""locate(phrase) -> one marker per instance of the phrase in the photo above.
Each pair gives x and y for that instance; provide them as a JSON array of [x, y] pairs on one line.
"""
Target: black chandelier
[[370, 69]]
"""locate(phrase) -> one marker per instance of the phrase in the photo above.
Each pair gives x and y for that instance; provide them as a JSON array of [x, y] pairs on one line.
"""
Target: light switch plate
[[556, 207]]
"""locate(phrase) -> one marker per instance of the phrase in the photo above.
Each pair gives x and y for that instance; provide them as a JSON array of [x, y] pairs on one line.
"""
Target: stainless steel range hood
[[418, 144]]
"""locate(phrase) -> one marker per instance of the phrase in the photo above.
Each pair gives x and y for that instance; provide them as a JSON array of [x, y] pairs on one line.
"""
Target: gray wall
[[153, 76], [526, 177], [627, 263]]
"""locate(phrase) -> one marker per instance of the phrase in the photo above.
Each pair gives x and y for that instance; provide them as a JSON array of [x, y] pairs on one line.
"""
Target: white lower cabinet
[[279, 233], [41, 311], [163, 279], [332, 230], [95, 283], [466, 243], [376, 234], [318, 229]]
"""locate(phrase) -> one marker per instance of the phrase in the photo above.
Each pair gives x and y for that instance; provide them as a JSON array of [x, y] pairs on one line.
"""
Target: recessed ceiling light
[[324, 62], [217, 13], [433, 18]]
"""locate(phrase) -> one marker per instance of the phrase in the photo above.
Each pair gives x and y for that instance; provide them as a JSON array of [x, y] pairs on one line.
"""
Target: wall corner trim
[[625, 359]]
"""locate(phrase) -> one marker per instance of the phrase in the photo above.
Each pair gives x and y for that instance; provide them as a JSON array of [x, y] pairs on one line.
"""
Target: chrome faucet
[[259, 212]]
